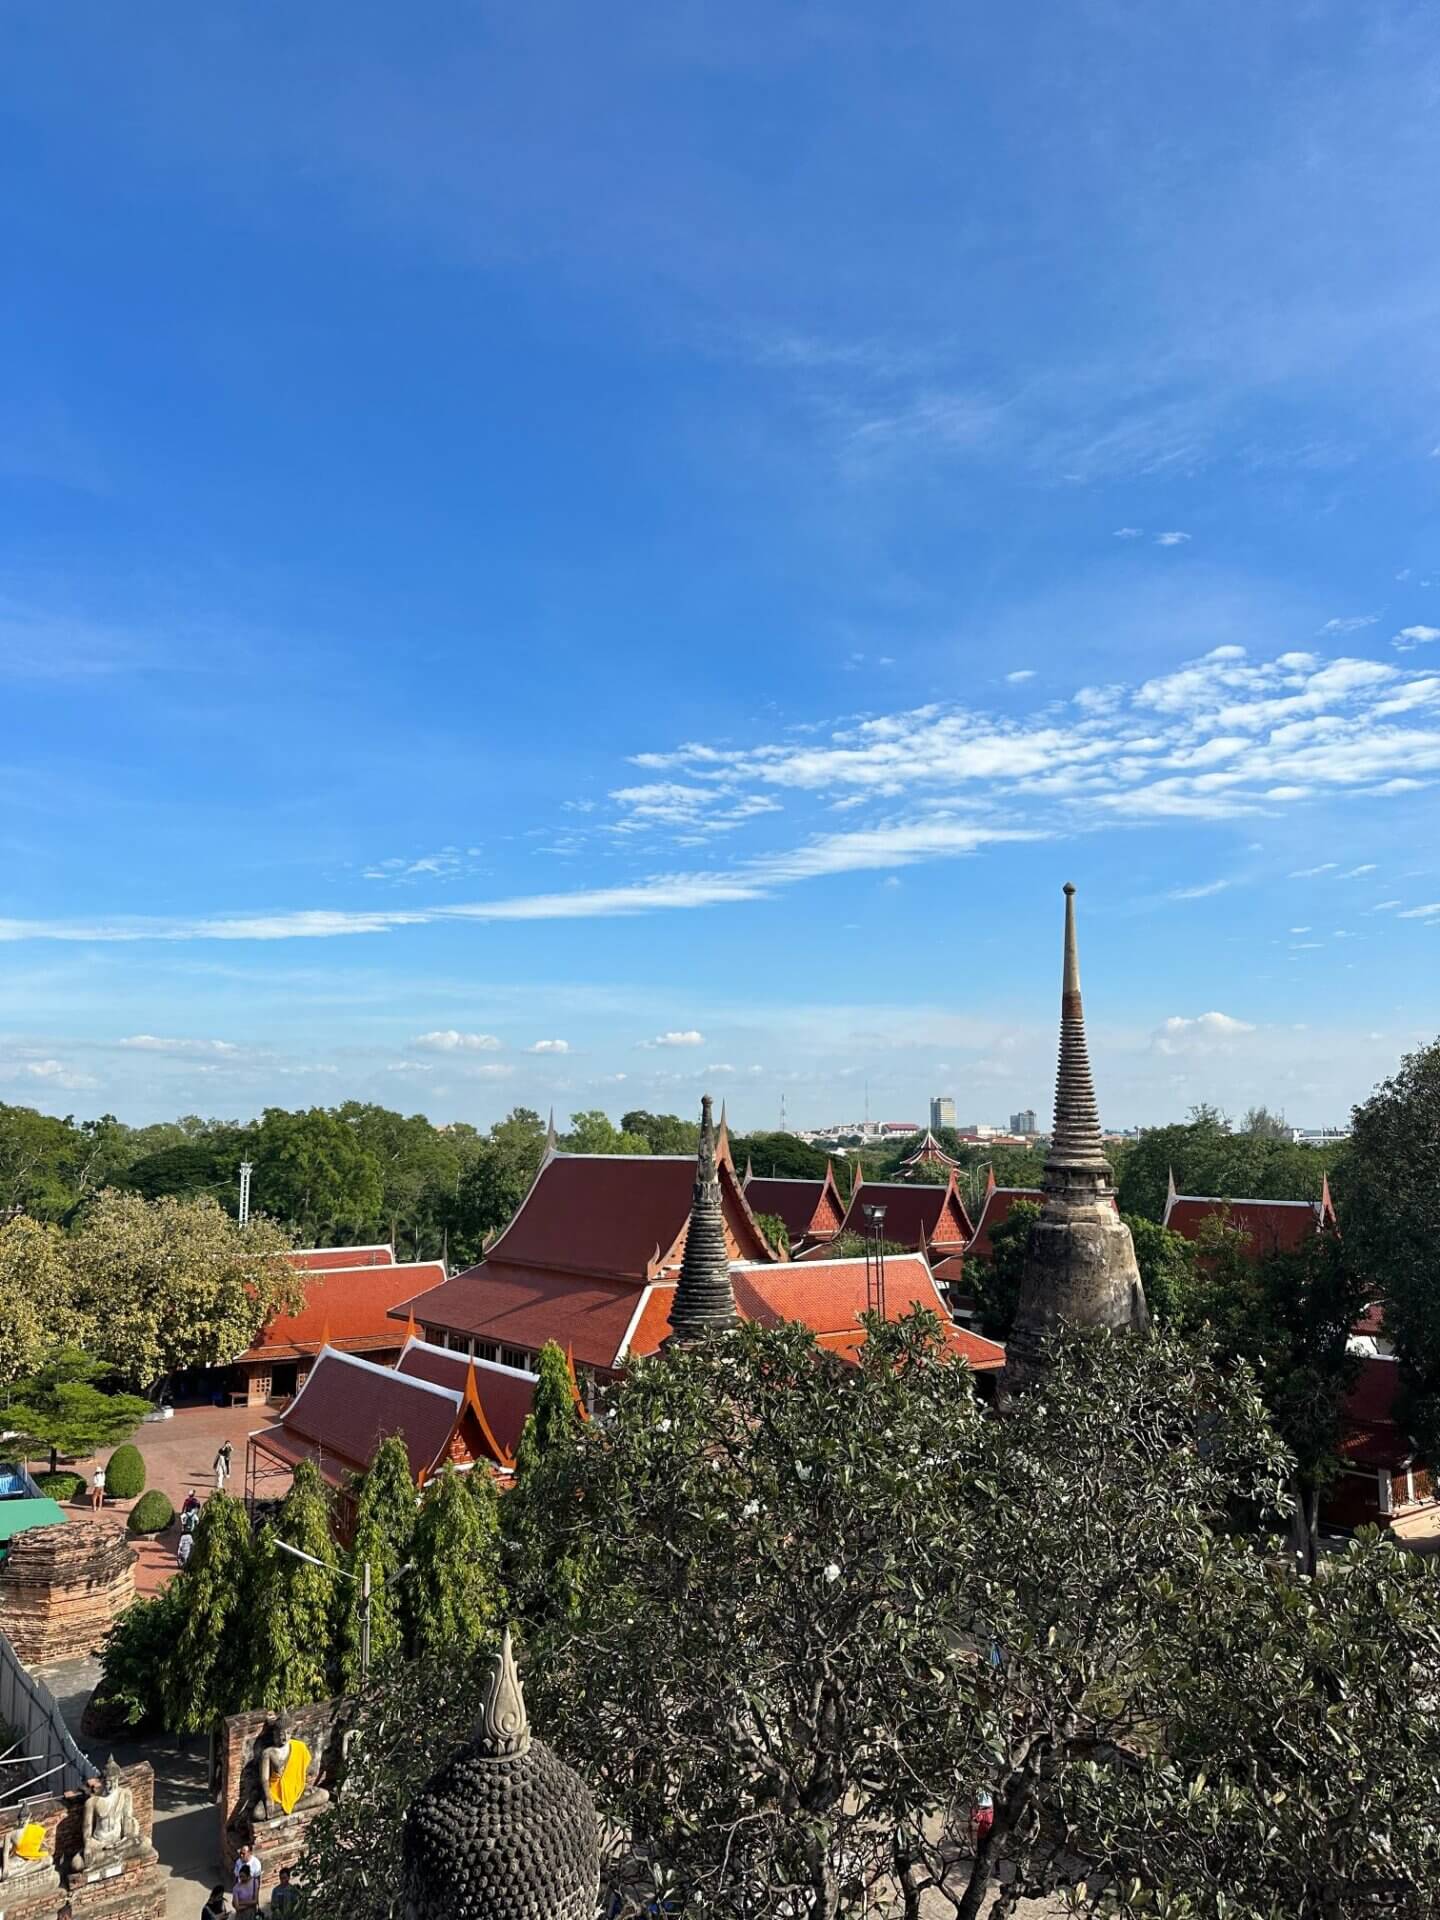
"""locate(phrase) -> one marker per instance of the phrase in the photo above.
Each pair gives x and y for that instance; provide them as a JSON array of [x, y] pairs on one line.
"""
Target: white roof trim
[[370, 1366], [1245, 1200], [629, 1334], [377, 1246], [461, 1359]]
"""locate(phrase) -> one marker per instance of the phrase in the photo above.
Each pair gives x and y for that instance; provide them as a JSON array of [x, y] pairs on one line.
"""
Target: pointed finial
[[749, 1169], [503, 1729], [1075, 1166], [551, 1137], [1327, 1205], [412, 1332], [1172, 1194]]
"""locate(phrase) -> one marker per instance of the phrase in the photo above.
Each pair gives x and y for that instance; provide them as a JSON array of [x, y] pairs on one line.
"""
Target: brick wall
[[279, 1843], [136, 1894], [62, 1587]]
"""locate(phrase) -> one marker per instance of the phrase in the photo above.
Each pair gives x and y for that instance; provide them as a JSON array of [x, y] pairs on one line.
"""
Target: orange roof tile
[[347, 1306]]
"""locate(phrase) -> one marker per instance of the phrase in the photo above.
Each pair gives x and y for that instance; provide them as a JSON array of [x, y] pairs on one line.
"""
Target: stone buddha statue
[[27, 1869], [110, 1829], [282, 1773]]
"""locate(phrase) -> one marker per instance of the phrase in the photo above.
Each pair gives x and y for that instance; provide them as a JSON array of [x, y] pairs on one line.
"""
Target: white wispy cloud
[[1128, 533], [1350, 623], [1428, 912], [1409, 638], [688, 1037], [1020, 675], [155, 1043], [1174, 538], [50, 1073], [1356, 872], [1309, 873], [1200, 1033], [1200, 892], [448, 1040], [549, 1046]]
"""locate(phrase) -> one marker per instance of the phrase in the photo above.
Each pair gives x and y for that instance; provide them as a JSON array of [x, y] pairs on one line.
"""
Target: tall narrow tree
[[384, 1528], [294, 1614], [453, 1599], [210, 1672]]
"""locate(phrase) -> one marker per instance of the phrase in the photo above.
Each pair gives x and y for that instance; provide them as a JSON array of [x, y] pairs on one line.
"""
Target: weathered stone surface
[[704, 1300], [136, 1892], [280, 1839], [506, 1829], [1080, 1267], [61, 1588]]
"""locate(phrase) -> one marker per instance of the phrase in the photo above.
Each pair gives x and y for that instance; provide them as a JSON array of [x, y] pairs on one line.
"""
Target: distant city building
[[942, 1112], [1319, 1136], [1024, 1121]]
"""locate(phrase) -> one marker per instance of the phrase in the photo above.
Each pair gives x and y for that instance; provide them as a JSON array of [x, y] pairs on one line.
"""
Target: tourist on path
[[184, 1547], [285, 1897], [214, 1907], [246, 1890], [97, 1489], [222, 1466]]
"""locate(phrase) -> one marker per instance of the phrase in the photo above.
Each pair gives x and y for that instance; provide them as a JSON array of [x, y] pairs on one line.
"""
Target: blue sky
[[581, 552]]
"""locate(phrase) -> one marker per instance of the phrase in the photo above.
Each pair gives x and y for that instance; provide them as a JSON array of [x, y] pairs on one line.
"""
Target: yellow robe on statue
[[286, 1791], [30, 1841]]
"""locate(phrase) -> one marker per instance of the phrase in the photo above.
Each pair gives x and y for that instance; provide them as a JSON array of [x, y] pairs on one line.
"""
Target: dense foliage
[[151, 1513], [1207, 1156], [60, 1408]]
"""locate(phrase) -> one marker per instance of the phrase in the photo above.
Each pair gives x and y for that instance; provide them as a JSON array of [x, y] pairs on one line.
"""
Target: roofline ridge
[[370, 1366]]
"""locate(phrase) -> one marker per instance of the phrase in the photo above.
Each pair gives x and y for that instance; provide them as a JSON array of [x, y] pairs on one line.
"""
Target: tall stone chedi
[[506, 1831], [704, 1300], [1079, 1260]]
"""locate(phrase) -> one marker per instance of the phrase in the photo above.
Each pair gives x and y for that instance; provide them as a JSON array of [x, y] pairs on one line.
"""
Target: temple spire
[[1076, 1162], [551, 1139], [503, 1729], [704, 1300]]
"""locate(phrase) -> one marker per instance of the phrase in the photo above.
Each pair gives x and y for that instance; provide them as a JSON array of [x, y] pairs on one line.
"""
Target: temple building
[[1381, 1477], [444, 1408], [929, 1153], [1269, 1226], [920, 1216], [326, 1259], [346, 1307], [590, 1261], [829, 1296], [1080, 1267], [811, 1209], [996, 1211]]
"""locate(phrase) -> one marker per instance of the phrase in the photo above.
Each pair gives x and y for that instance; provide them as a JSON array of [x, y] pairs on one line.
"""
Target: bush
[[132, 1666], [60, 1486], [151, 1513], [125, 1475]]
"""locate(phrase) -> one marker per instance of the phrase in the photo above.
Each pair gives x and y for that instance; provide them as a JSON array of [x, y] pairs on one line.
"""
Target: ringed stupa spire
[[704, 1300], [1080, 1267]]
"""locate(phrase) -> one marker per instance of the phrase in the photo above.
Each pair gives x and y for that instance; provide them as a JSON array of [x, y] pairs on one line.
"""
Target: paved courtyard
[[178, 1455]]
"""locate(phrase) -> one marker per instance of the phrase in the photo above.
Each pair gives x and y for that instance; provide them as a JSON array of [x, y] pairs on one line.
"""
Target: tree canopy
[[1207, 1157], [62, 1409]]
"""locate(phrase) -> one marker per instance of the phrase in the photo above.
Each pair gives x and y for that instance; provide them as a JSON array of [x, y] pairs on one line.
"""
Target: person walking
[[184, 1547], [97, 1489], [214, 1907], [222, 1466], [285, 1897]]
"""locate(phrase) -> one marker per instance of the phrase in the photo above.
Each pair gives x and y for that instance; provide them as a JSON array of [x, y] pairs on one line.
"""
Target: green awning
[[17, 1516]]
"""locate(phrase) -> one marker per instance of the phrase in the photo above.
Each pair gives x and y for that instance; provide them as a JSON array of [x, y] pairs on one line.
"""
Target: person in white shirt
[[245, 1892], [184, 1547]]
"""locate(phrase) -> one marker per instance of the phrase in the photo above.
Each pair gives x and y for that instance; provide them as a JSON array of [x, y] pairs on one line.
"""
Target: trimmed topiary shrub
[[151, 1513], [60, 1486], [125, 1475]]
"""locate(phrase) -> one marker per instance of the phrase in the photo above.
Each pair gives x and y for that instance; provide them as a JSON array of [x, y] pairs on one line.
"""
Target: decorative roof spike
[[749, 1170], [1076, 1161], [552, 1140], [412, 1332], [1172, 1192], [1327, 1205], [503, 1729], [704, 1300]]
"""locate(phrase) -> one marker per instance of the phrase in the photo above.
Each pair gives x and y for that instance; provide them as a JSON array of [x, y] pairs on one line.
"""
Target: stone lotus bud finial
[[503, 1729]]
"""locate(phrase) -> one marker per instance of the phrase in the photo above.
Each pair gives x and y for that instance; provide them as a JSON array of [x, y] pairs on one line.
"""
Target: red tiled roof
[[348, 1406], [1269, 1226], [994, 1213], [506, 1395], [613, 1215], [523, 1307], [808, 1207], [916, 1214], [829, 1297], [951, 1270], [1373, 1436], [348, 1307], [328, 1258], [929, 1153]]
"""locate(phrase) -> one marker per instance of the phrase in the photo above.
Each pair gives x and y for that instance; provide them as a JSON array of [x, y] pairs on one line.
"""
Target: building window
[[516, 1357], [486, 1350]]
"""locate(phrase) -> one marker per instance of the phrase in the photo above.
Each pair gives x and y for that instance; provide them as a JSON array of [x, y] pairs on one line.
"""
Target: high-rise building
[[1024, 1122], [942, 1112]]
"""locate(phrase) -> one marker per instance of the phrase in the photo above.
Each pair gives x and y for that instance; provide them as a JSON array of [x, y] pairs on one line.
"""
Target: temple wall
[[61, 1588]]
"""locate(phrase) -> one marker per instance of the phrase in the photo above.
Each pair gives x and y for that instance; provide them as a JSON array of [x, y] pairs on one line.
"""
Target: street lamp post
[[363, 1581]]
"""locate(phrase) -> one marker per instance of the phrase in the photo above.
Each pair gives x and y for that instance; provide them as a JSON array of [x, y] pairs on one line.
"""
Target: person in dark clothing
[[214, 1907]]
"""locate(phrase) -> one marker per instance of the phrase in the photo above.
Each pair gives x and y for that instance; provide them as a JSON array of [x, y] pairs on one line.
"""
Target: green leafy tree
[[61, 1409], [206, 1165], [135, 1659], [35, 1296], [537, 1578], [662, 1132], [1167, 1264], [419, 1170], [211, 1669], [314, 1172], [780, 1156], [995, 1280], [384, 1530], [170, 1283], [1386, 1191], [37, 1158], [453, 1598], [594, 1132], [295, 1599], [776, 1233], [1288, 1780]]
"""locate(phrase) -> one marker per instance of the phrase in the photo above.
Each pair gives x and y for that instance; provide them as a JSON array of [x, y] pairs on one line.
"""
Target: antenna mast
[[246, 1169]]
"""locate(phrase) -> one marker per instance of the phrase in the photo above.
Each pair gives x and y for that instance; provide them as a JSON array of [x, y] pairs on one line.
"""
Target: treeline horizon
[[359, 1172]]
